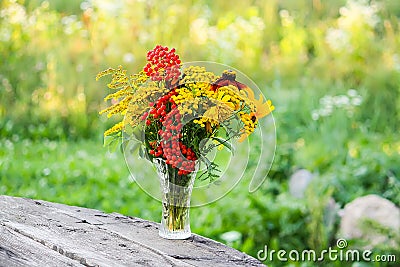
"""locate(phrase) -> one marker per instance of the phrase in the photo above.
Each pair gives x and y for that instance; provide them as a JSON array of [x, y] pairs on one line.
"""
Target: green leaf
[[143, 152], [130, 146], [211, 170], [112, 142], [225, 143], [138, 134]]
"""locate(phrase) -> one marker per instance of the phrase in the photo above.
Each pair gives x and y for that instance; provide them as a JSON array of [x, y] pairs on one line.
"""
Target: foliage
[[302, 53], [49, 57]]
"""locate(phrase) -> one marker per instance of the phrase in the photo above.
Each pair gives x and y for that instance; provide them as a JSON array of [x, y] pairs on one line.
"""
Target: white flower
[[231, 236], [341, 101], [356, 101], [314, 115], [352, 93], [15, 14], [358, 13], [128, 58], [338, 39], [85, 5]]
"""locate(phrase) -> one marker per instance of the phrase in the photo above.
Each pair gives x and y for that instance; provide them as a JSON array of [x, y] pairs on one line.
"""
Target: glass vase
[[176, 192]]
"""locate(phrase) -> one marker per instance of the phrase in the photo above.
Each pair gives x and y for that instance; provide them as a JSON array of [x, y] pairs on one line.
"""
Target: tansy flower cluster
[[178, 107]]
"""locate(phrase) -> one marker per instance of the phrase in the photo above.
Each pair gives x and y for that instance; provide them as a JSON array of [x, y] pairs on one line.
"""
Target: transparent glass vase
[[176, 192]]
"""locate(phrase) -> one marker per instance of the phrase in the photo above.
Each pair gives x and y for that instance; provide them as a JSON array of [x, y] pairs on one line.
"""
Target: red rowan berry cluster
[[176, 153], [171, 147], [159, 109], [162, 64]]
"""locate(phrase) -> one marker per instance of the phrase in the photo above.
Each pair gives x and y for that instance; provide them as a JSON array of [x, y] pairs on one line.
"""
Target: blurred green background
[[332, 69]]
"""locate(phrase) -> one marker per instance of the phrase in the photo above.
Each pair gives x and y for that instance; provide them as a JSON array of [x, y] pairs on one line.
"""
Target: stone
[[355, 217], [299, 181]]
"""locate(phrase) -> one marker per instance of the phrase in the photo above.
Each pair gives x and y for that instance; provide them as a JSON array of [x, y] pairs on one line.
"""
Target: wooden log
[[40, 233]]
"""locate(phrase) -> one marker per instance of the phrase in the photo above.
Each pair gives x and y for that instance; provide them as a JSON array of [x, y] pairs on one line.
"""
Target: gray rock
[[358, 215], [299, 181]]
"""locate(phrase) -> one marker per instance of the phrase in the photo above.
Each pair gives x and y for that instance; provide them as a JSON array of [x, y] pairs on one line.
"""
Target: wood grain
[[40, 233]]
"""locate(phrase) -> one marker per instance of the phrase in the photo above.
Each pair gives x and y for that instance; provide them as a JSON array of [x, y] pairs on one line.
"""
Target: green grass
[[83, 173], [79, 173]]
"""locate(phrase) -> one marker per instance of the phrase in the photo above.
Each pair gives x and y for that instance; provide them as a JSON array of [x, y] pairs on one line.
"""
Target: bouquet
[[181, 112]]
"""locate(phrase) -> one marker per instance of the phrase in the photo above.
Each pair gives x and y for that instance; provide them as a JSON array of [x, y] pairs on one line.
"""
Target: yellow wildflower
[[197, 79], [105, 72], [116, 128], [249, 122], [229, 95], [261, 109], [184, 94], [140, 102], [118, 108], [219, 112], [119, 94]]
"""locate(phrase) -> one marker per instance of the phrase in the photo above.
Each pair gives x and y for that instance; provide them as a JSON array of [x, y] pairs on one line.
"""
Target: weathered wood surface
[[40, 233]]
